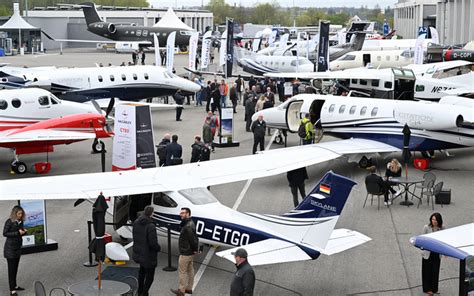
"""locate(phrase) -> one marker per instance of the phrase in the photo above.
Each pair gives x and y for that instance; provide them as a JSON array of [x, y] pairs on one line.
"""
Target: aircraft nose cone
[[191, 86]]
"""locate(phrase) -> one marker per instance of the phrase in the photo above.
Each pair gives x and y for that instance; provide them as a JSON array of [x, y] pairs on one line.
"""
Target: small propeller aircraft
[[33, 121]]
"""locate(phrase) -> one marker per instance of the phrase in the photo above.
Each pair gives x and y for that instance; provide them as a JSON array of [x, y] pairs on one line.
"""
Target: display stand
[[226, 128]]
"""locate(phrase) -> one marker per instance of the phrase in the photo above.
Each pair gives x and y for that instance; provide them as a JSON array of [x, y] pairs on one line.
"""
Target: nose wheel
[[18, 167], [98, 146]]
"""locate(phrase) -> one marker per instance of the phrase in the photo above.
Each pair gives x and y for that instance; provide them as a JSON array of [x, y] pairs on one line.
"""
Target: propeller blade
[[78, 202], [96, 106], [110, 107]]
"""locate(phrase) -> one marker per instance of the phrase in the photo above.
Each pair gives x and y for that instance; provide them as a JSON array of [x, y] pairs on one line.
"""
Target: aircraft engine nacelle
[[103, 28], [429, 116]]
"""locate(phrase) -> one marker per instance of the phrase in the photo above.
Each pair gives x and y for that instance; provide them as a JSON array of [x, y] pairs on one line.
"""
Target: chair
[[41, 291], [57, 289], [432, 193], [428, 191], [427, 177], [133, 283], [374, 190]]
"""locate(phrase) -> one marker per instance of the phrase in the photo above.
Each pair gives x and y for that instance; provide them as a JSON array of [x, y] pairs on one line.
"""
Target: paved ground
[[388, 265]]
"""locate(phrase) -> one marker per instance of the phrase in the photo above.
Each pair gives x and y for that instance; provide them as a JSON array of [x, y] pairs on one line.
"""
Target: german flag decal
[[325, 188]]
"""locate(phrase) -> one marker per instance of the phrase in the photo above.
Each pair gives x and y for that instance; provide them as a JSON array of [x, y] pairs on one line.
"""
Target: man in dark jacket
[[179, 100], [161, 149], [258, 129], [145, 249], [174, 152], [243, 282], [233, 96], [249, 111], [188, 243], [383, 185], [197, 151], [296, 181]]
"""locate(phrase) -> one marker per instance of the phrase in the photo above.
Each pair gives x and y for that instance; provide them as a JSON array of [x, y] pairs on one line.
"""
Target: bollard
[[89, 263], [169, 267]]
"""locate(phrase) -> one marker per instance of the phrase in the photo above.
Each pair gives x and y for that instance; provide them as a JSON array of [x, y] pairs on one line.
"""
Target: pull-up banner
[[323, 48], [133, 141], [230, 47]]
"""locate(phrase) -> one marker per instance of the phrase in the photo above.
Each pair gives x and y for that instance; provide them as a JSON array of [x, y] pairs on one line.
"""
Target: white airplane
[[375, 59], [434, 126], [83, 84], [392, 44]]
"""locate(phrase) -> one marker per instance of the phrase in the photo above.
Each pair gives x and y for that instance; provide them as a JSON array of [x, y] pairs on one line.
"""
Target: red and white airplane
[[34, 120]]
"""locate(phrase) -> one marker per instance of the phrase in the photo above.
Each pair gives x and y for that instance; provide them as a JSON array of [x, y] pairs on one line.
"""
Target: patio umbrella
[[97, 245], [406, 147]]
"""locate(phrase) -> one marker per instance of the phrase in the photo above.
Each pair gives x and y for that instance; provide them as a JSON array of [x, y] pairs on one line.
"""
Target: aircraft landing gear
[[98, 146], [18, 167]]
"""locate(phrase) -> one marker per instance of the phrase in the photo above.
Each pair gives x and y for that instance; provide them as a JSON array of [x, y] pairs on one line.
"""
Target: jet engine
[[429, 116], [102, 28]]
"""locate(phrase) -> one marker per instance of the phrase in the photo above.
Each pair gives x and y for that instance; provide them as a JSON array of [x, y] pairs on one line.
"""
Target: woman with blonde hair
[[13, 231], [394, 170], [260, 103]]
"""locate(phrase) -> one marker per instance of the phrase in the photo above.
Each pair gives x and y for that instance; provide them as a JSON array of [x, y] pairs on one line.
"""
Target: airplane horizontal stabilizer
[[45, 135], [268, 251], [344, 239]]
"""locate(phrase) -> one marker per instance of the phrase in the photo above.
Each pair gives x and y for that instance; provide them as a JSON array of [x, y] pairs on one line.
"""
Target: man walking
[[249, 111], [188, 247], [258, 129], [307, 130], [145, 249], [243, 282], [179, 100], [296, 182]]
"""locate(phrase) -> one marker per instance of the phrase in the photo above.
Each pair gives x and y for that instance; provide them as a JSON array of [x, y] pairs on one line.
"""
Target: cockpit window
[[198, 196], [54, 100], [3, 104], [347, 57], [163, 200]]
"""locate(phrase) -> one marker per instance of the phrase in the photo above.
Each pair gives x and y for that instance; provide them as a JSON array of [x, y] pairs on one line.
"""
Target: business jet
[[33, 121], [130, 83], [392, 44], [434, 126], [374, 59]]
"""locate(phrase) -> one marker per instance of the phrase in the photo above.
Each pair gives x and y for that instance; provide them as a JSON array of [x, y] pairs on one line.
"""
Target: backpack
[[302, 130], [204, 153], [161, 151]]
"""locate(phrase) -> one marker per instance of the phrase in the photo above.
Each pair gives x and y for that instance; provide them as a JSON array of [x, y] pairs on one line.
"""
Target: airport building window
[[146, 76], [43, 101], [163, 200], [3, 104], [124, 77], [342, 109], [363, 111], [112, 78], [352, 110], [374, 111], [16, 103], [135, 76], [388, 84], [375, 83], [363, 82], [331, 108], [100, 78]]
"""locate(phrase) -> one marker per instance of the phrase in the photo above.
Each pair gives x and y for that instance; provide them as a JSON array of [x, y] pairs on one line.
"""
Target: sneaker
[[397, 193], [385, 203]]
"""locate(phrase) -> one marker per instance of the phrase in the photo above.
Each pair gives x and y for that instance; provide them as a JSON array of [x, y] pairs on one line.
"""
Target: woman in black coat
[[13, 231]]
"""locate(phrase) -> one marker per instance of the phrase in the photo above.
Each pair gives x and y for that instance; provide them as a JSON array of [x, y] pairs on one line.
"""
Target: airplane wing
[[192, 175], [104, 104], [43, 135], [271, 251], [456, 242]]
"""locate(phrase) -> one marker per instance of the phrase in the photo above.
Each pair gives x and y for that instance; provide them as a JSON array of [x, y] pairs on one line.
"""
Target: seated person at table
[[394, 170], [383, 185]]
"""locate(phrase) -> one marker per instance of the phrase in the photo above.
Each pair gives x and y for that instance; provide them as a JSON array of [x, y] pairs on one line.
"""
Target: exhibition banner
[[227, 128], [193, 46], [205, 49], [157, 50], [222, 49], [229, 47], [170, 51], [323, 48], [35, 222], [145, 144]]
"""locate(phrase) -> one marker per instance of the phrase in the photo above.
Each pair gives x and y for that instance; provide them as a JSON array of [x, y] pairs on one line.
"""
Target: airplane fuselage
[[376, 59]]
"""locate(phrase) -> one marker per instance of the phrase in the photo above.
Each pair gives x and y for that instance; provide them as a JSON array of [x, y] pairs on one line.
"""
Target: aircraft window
[[132, 32], [145, 75], [124, 77], [163, 200], [347, 57], [145, 33], [363, 82], [100, 78], [379, 58], [164, 34], [388, 84], [397, 58], [277, 64], [43, 101], [303, 62], [16, 103], [387, 58], [271, 63], [293, 63], [352, 110], [3, 104], [331, 108], [342, 109], [355, 81], [139, 32], [419, 87], [363, 110], [374, 111], [282, 64], [375, 83], [198, 196], [112, 78], [158, 34], [135, 76]]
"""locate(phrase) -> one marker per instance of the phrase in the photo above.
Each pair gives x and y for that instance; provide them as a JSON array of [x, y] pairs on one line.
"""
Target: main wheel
[[279, 140], [98, 146], [19, 167]]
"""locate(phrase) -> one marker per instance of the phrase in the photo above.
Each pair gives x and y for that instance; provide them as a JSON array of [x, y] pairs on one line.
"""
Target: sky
[[283, 3]]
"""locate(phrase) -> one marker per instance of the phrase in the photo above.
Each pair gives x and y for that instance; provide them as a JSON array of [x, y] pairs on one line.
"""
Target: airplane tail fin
[[358, 41], [90, 13]]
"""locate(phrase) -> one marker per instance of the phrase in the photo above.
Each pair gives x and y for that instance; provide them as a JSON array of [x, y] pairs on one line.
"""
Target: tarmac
[[387, 265]]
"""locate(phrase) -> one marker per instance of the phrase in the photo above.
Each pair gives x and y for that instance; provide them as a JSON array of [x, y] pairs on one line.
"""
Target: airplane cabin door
[[315, 117], [366, 59]]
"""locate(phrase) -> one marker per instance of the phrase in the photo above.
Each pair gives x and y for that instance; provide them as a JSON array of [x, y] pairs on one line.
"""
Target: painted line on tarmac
[[212, 250]]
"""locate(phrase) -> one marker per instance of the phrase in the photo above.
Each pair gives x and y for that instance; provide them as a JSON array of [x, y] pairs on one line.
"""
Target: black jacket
[[178, 98], [297, 177], [161, 150], [244, 280], [258, 129], [13, 243], [196, 151], [145, 242], [173, 151], [376, 179], [250, 106], [188, 240]]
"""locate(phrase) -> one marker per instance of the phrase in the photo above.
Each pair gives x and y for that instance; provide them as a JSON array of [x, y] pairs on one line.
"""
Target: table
[[407, 182], [91, 287]]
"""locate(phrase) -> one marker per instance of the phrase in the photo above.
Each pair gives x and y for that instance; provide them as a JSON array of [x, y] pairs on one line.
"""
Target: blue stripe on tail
[[327, 199]]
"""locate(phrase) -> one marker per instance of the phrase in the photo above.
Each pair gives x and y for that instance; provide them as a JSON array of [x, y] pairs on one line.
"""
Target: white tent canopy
[[170, 20], [16, 21]]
